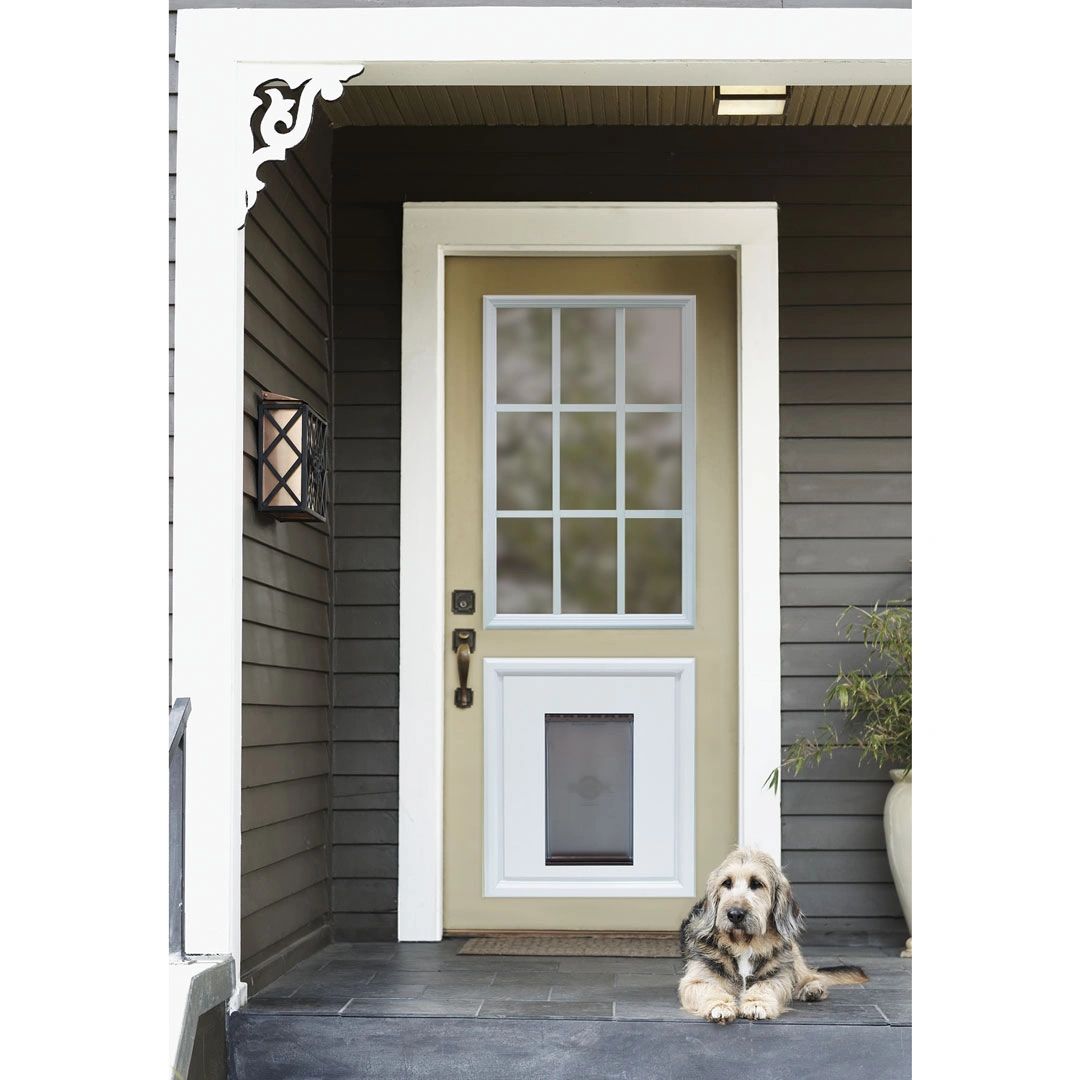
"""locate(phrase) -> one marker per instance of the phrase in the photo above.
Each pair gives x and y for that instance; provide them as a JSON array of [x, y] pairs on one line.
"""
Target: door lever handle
[[463, 642]]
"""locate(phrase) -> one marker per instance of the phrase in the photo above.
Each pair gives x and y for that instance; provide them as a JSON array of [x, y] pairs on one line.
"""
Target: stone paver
[[431, 979], [430, 1047]]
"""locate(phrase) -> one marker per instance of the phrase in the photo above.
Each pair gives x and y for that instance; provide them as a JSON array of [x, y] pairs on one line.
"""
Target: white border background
[[967, 471], [84, 347]]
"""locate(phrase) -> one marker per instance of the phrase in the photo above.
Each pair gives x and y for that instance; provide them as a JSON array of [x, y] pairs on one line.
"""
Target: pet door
[[589, 789]]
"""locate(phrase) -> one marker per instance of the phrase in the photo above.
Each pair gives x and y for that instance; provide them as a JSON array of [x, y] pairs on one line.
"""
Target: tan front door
[[608, 536]]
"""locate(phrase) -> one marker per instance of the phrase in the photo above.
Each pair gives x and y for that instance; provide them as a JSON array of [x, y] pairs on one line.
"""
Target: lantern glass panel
[[283, 457]]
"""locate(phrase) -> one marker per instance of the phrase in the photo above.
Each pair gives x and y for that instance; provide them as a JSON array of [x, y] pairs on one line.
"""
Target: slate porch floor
[[419, 1010]]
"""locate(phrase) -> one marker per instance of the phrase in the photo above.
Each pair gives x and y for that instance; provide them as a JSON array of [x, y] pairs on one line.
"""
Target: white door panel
[[523, 696]]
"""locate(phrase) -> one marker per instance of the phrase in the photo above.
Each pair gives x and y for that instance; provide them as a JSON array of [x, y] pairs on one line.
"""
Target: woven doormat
[[661, 945]]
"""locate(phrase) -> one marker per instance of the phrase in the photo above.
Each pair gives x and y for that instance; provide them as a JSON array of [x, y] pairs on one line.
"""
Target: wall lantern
[[290, 472], [750, 100]]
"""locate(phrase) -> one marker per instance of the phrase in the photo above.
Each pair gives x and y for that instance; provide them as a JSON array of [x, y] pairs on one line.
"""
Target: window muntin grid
[[535, 507]]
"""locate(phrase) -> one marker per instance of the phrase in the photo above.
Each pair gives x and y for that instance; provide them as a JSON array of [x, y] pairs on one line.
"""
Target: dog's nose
[[736, 915]]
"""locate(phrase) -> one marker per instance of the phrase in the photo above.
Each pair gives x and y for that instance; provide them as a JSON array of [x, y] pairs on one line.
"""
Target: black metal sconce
[[290, 472]]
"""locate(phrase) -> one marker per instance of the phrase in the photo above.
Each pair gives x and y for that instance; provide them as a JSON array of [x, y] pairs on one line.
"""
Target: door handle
[[463, 642]]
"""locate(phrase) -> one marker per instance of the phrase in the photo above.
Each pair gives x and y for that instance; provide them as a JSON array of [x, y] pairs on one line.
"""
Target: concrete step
[[268, 1046]]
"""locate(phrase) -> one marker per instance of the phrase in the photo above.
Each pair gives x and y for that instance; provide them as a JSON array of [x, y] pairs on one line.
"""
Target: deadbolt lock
[[463, 602]]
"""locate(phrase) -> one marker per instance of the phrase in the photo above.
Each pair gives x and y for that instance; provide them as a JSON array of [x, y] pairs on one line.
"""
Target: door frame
[[431, 233]]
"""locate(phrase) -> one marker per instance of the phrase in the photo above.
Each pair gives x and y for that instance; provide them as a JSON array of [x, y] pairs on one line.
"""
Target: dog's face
[[748, 894]]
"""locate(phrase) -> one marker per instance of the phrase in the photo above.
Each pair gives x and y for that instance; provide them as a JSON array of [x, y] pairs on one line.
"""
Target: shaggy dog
[[739, 943]]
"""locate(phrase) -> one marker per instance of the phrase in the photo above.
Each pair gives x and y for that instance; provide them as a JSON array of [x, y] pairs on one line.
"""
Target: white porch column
[[208, 488], [216, 183]]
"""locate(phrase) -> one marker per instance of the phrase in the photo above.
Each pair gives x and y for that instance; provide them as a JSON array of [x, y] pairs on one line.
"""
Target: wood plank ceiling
[[641, 106]]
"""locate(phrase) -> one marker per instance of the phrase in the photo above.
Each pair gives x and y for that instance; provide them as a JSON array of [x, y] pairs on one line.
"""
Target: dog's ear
[[700, 924], [785, 913]]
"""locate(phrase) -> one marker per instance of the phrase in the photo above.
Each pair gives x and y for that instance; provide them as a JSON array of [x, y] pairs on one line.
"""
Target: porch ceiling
[[631, 106]]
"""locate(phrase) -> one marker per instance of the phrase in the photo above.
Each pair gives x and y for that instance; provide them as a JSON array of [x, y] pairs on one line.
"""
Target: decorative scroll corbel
[[279, 115]]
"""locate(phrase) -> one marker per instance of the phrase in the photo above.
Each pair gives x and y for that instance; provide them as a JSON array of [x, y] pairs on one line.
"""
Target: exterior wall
[[367, 444], [844, 198], [284, 887]]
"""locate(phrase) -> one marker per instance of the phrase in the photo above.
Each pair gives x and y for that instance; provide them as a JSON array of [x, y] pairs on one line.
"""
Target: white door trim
[[432, 231]]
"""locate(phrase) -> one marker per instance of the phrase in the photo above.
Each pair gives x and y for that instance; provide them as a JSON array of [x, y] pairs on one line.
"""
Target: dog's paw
[[720, 1013], [814, 990], [754, 1010]]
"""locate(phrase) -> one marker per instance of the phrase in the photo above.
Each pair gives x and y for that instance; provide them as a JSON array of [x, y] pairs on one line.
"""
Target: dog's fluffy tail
[[843, 975]]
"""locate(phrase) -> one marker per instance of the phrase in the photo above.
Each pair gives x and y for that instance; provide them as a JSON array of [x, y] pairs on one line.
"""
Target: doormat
[[660, 945]]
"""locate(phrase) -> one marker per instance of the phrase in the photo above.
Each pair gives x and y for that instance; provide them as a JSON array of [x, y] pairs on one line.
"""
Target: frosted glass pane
[[588, 356], [588, 566], [590, 788], [523, 473], [653, 566], [524, 566], [523, 356], [654, 461], [587, 461], [654, 356]]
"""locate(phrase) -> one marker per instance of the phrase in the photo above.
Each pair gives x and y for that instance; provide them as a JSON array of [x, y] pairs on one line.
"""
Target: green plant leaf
[[876, 698]]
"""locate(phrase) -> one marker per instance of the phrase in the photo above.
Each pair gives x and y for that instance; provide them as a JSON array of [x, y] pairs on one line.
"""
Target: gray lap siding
[[367, 453], [844, 222], [285, 778]]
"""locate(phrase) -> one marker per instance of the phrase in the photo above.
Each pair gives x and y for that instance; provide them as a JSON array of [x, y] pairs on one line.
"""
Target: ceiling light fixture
[[750, 100]]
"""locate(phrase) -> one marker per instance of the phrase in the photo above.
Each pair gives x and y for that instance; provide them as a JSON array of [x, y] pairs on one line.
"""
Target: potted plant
[[876, 701]]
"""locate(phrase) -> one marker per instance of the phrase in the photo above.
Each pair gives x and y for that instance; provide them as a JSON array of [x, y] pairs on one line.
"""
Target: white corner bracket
[[287, 103]]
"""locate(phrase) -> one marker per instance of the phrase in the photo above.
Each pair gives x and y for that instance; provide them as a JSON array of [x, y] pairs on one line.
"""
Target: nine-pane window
[[588, 461]]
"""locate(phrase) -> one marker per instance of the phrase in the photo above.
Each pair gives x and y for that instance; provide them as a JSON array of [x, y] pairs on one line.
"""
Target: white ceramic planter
[[898, 841]]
